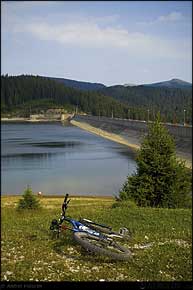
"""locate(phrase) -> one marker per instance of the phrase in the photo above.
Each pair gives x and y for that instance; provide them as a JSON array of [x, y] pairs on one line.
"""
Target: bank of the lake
[[131, 140], [111, 136]]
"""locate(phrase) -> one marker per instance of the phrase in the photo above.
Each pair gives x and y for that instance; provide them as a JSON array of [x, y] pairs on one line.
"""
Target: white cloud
[[90, 35], [84, 34], [171, 17], [79, 30], [168, 18]]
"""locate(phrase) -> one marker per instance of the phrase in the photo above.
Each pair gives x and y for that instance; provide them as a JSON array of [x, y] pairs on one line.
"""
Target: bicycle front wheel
[[102, 246]]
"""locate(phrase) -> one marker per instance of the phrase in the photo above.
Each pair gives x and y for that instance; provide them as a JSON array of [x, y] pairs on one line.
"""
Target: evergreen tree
[[29, 201], [161, 180]]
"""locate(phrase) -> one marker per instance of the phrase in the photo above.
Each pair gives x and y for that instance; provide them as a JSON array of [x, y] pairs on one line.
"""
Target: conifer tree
[[160, 180], [29, 201]]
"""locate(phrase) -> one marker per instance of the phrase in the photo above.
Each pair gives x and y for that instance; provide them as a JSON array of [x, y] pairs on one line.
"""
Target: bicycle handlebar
[[66, 197], [65, 204]]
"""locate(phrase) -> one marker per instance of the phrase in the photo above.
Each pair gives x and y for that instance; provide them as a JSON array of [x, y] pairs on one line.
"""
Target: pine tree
[[29, 201], [160, 180]]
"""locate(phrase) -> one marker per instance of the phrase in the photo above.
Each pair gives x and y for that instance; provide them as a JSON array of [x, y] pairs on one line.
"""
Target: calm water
[[55, 159]]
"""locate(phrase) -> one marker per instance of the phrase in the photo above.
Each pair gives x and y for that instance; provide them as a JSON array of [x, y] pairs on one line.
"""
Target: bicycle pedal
[[124, 231]]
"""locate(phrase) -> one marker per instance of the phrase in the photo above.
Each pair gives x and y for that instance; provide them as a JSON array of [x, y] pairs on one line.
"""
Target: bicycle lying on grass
[[93, 237]]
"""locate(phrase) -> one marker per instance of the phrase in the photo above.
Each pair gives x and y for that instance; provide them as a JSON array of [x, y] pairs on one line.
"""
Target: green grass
[[29, 254]]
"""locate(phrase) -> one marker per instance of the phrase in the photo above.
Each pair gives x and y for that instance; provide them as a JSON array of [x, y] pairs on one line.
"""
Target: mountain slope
[[34, 93], [86, 86], [171, 102], [174, 83]]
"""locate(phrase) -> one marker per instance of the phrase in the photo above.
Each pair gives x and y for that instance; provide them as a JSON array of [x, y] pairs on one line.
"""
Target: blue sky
[[111, 42]]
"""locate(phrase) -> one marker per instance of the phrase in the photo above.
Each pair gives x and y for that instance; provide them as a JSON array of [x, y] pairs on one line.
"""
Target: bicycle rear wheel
[[102, 246]]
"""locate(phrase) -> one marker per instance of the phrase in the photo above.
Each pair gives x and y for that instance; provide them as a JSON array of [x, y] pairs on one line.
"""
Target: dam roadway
[[132, 132]]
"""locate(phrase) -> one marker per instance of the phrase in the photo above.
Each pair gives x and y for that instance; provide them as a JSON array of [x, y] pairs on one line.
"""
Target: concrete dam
[[132, 132]]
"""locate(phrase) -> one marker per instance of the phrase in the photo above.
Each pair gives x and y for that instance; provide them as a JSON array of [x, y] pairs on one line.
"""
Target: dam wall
[[141, 126], [133, 132]]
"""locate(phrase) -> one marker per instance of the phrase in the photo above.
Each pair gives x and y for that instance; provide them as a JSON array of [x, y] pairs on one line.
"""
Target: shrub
[[29, 201]]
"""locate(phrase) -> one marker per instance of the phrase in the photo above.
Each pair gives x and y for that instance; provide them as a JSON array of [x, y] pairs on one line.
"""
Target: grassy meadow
[[28, 253]]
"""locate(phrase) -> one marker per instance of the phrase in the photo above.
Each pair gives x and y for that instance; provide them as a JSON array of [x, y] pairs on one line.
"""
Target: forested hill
[[171, 102], [31, 94], [86, 86]]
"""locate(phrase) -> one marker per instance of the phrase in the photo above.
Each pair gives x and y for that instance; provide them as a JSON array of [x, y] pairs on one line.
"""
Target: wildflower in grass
[[9, 273]]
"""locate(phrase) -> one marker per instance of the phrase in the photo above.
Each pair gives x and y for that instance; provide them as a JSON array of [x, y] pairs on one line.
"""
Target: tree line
[[27, 94], [30, 94], [147, 101]]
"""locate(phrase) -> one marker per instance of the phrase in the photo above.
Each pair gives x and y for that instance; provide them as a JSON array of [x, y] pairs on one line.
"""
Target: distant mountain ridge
[[87, 86], [92, 86], [129, 85], [173, 83]]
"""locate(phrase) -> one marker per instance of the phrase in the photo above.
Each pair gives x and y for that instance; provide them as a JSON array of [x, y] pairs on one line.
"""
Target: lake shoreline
[[119, 139], [111, 136]]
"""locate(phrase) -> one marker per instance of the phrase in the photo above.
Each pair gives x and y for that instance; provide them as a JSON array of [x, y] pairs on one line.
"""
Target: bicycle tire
[[86, 241]]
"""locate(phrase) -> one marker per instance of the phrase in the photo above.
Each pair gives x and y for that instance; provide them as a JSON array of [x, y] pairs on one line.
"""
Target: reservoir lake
[[57, 158]]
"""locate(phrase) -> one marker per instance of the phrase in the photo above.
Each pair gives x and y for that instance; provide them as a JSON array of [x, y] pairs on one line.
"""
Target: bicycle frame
[[77, 226]]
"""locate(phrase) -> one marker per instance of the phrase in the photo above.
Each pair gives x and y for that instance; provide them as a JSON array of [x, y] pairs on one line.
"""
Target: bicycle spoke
[[102, 243]]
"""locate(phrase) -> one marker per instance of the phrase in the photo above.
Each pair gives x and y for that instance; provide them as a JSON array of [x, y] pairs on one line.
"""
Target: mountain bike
[[93, 237]]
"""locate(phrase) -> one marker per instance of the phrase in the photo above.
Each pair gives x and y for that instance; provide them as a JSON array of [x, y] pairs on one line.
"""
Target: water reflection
[[54, 158], [54, 144], [28, 156]]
